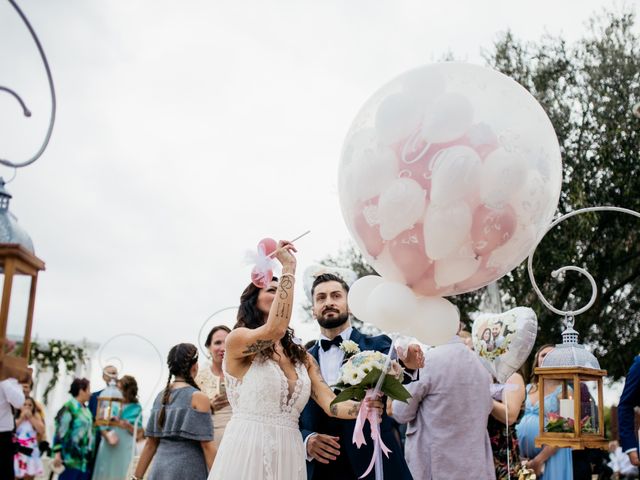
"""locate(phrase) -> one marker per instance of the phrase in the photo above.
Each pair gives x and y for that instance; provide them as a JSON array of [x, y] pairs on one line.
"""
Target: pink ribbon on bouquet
[[365, 414]]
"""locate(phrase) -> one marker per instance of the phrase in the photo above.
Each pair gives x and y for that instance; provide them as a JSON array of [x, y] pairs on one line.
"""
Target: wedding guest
[[507, 402], [447, 416], [11, 396], [630, 399], [179, 431], [109, 373], [73, 437], [114, 453], [210, 379], [547, 462], [27, 388], [29, 426]]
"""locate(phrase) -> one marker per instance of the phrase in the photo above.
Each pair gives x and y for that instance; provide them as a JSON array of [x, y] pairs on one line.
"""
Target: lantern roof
[[570, 353], [112, 391], [10, 230]]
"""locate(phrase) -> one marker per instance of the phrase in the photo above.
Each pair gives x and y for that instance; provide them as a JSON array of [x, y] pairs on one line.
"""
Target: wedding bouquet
[[361, 373]]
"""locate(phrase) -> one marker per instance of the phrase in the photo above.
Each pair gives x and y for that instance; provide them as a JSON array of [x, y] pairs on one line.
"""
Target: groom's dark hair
[[328, 277]]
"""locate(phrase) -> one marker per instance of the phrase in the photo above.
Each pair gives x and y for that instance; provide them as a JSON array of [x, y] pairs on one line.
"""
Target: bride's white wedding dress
[[262, 440]]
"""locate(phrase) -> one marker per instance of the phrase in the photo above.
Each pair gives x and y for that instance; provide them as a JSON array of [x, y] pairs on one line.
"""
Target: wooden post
[[577, 414]]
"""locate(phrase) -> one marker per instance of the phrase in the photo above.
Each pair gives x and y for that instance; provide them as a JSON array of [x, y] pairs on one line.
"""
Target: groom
[[331, 453]]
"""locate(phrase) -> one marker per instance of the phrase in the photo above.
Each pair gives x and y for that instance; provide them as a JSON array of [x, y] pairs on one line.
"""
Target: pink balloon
[[261, 278], [418, 155], [426, 285], [492, 228], [484, 276], [407, 252], [268, 246], [369, 235]]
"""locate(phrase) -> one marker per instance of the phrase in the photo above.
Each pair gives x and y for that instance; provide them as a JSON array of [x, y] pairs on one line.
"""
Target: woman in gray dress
[[180, 431]]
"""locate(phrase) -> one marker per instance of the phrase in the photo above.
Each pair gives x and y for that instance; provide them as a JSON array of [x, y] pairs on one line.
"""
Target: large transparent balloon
[[449, 176]]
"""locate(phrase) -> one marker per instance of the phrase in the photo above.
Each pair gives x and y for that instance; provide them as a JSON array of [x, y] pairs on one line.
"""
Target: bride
[[269, 379]]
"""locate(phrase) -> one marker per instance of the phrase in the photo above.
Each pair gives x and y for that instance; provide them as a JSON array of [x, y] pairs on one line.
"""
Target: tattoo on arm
[[354, 409], [314, 395], [334, 409], [258, 346], [286, 284]]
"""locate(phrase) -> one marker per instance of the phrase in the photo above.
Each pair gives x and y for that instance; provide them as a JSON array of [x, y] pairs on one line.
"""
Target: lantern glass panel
[[18, 308], [589, 408], [559, 412]]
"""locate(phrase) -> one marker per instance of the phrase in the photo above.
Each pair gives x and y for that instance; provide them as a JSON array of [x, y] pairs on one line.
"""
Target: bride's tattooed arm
[[322, 394]]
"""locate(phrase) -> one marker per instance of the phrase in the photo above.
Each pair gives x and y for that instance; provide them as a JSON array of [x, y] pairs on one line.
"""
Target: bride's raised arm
[[323, 396], [244, 342]]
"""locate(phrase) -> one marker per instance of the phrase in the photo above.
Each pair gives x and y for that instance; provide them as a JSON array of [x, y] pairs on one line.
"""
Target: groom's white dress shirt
[[331, 360]]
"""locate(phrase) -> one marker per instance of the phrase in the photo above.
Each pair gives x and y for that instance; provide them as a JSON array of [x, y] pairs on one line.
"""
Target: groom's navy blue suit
[[352, 461]]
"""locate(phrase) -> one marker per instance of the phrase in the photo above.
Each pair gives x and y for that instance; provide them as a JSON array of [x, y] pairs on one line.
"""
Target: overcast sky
[[187, 131]]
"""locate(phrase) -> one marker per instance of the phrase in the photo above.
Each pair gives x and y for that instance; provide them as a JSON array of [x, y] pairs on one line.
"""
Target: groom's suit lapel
[[314, 351]]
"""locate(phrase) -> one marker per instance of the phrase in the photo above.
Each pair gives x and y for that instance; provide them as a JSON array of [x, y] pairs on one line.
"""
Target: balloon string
[[506, 410], [297, 238]]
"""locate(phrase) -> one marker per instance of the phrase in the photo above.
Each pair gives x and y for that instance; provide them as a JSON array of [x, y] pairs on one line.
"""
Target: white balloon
[[389, 303], [446, 227], [376, 171], [456, 268], [448, 119], [434, 321], [501, 175], [398, 116], [454, 174], [400, 206], [358, 297]]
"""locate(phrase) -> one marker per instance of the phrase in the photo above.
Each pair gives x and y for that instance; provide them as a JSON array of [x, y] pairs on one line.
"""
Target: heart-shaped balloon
[[504, 340]]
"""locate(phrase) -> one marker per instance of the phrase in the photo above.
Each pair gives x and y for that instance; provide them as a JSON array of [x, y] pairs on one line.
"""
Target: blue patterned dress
[[558, 466]]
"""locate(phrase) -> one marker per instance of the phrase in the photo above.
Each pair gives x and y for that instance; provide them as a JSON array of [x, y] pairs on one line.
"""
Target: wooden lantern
[[19, 269], [110, 403], [579, 423]]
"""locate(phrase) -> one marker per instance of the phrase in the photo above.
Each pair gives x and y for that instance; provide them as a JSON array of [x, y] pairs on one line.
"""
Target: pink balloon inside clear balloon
[[369, 235], [426, 285], [267, 246], [492, 228], [407, 251], [482, 277], [261, 278]]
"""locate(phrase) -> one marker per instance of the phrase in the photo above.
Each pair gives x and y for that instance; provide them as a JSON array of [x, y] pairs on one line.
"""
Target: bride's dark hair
[[250, 316]]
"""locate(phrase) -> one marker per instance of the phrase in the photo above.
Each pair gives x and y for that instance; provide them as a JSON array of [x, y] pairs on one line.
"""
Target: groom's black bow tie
[[326, 344]]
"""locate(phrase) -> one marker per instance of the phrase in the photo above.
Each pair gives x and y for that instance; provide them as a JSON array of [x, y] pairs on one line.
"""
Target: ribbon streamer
[[379, 447]]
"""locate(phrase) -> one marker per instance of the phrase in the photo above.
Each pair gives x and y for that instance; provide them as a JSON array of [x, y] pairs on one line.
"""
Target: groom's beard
[[333, 322]]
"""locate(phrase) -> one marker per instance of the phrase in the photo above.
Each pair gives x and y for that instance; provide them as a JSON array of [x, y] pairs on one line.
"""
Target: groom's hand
[[323, 448], [413, 358]]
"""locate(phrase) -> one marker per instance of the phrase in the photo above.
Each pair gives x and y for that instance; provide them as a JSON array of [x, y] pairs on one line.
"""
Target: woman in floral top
[[73, 438]]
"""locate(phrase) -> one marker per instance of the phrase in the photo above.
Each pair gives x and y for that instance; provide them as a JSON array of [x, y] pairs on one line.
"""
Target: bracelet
[[133, 477]]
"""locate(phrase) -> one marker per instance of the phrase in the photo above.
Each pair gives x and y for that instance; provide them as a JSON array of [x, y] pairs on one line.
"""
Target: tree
[[588, 90]]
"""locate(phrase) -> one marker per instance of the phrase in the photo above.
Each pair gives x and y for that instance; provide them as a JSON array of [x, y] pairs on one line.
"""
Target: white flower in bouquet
[[40, 356], [55, 350], [362, 371]]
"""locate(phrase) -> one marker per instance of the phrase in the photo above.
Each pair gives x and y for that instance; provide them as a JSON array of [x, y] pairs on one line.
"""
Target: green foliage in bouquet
[[51, 355]]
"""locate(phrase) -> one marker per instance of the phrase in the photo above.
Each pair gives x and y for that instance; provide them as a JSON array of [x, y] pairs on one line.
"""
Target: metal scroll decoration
[[570, 314], [25, 109]]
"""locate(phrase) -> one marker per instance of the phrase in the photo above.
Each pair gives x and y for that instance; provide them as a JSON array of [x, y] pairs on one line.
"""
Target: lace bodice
[[264, 394]]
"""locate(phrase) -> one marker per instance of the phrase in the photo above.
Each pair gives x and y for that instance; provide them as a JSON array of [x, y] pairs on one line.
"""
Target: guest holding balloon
[[447, 416], [507, 402], [548, 462], [210, 379]]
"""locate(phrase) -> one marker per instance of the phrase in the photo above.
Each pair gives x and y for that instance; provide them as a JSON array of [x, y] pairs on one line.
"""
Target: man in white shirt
[[328, 441], [10, 396]]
